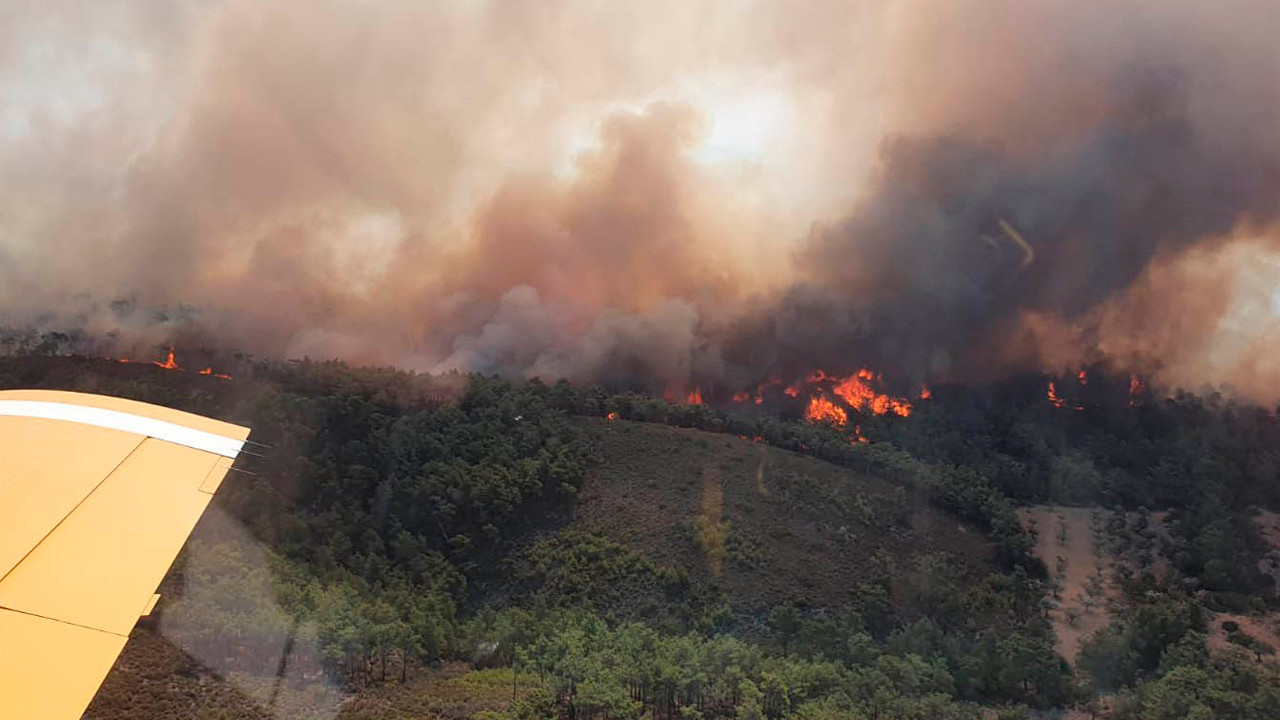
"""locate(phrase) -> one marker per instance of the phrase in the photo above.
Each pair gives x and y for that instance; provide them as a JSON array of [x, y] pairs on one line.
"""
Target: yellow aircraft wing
[[97, 496]]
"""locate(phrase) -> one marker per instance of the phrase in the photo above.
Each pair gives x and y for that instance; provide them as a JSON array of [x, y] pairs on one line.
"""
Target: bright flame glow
[[1054, 399], [169, 363], [823, 410], [857, 391], [1057, 400]]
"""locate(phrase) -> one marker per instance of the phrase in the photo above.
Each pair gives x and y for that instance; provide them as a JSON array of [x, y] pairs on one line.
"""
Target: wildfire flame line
[[856, 391], [171, 363], [1056, 399]]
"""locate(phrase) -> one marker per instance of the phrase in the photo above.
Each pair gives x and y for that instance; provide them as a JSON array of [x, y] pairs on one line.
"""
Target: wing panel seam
[[64, 622], [75, 507]]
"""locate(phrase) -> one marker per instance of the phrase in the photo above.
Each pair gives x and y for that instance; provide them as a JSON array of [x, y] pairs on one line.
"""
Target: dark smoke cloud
[[519, 190], [927, 255], [1162, 147]]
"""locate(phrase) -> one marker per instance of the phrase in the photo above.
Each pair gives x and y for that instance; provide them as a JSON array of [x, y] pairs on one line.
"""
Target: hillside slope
[[795, 535], [769, 527], [628, 548]]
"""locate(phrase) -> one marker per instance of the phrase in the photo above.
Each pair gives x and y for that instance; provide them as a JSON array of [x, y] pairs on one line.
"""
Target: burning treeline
[[1012, 185], [839, 401], [826, 398], [171, 363]]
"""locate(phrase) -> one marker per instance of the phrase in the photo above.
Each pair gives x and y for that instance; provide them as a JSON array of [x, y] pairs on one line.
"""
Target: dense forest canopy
[[409, 520]]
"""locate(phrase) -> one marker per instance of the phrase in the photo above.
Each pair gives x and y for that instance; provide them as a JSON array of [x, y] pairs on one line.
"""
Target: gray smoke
[[519, 190]]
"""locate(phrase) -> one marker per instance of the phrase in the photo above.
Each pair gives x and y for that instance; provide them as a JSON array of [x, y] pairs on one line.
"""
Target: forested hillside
[[416, 546]]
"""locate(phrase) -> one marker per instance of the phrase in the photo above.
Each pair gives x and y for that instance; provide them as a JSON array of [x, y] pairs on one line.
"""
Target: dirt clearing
[[1079, 570]]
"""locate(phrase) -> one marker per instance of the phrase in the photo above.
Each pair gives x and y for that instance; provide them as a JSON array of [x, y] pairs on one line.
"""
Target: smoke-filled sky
[[662, 193]]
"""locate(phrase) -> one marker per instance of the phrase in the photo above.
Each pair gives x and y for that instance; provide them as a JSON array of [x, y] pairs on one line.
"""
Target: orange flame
[[1057, 400], [759, 395], [857, 391], [169, 363], [741, 397], [676, 393], [1083, 377], [1054, 399], [611, 416], [823, 410], [1136, 388]]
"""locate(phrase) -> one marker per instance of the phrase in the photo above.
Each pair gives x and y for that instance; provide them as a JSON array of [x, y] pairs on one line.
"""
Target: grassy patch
[[766, 526]]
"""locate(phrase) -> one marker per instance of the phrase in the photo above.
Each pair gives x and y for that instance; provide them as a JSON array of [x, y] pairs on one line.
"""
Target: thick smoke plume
[[662, 194]]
